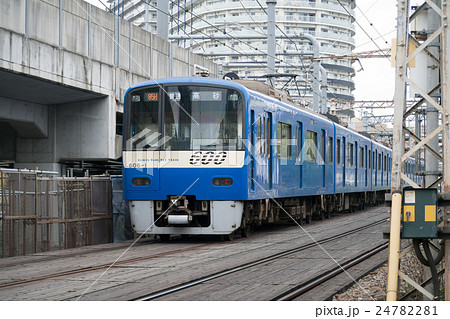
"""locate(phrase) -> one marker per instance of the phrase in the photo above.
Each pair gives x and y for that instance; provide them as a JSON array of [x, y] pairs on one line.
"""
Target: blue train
[[215, 157]]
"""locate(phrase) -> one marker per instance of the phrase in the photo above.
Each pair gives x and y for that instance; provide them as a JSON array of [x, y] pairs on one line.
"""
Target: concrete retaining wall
[[69, 51]]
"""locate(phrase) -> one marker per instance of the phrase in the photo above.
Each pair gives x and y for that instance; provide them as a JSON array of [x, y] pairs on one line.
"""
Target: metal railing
[[40, 212]]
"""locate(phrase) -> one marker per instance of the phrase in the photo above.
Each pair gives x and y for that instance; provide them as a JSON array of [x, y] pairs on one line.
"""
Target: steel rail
[[102, 266], [199, 281], [311, 284]]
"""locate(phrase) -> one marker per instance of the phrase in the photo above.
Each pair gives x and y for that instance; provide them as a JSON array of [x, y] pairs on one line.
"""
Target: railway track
[[166, 266], [291, 293], [99, 267], [313, 283]]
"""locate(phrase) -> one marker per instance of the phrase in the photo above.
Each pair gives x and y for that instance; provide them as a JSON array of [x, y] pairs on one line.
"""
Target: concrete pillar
[[271, 39], [323, 89], [8, 143], [28, 119], [81, 130], [162, 19], [316, 64]]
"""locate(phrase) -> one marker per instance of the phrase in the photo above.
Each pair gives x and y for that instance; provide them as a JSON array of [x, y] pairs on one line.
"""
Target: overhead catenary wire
[[250, 46], [248, 13], [262, 63], [239, 40], [364, 30], [372, 25]]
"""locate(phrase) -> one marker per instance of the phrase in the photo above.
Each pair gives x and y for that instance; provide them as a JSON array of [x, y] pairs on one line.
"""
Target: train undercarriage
[[305, 209], [184, 215]]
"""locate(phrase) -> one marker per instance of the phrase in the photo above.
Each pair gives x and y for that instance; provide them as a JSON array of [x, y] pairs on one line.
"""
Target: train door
[[375, 162], [284, 160], [366, 165], [344, 151], [382, 169], [356, 163], [337, 163], [390, 169], [322, 154], [269, 147], [386, 169], [253, 136], [259, 154], [299, 152]]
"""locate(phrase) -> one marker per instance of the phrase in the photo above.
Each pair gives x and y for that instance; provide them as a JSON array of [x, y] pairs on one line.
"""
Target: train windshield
[[192, 118]]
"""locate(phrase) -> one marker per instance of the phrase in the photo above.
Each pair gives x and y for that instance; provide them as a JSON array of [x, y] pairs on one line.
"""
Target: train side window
[[267, 137], [370, 162], [350, 154], [338, 151], [311, 146], [299, 141], [374, 161], [379, 162], [385, 163], [263, 136], [361, 157], [259, 140], [330, 150], [284, 140]]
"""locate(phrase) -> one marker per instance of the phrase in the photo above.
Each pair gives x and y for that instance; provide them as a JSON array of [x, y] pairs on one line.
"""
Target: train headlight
[[140, 181], [222, 181]]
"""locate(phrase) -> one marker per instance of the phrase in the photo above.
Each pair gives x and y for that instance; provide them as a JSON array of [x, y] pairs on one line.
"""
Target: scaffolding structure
[[431, 44]]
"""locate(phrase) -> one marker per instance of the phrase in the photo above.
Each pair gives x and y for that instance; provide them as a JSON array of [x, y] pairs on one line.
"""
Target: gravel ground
[[373, 285]]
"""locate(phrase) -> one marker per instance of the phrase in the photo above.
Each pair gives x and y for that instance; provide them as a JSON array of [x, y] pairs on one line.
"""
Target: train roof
[[195, 80]]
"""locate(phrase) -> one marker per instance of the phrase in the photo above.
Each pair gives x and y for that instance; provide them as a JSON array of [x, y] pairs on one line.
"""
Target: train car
[[204, 156]]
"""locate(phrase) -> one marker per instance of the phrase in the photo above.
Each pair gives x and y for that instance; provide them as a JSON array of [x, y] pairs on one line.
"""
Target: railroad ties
[[267, 266]]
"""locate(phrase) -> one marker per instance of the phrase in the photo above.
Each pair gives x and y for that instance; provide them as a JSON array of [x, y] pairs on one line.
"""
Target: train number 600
[[205, 158]]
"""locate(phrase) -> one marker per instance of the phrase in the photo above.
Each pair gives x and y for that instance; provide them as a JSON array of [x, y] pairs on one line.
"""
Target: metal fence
[[40, 212]]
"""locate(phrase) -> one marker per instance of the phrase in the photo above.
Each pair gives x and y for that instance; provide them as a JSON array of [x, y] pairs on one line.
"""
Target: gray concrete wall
[[29, 119], [71, 52], [8, 142]]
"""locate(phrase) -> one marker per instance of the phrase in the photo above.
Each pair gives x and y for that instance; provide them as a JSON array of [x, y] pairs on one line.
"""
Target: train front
[[184, 169]]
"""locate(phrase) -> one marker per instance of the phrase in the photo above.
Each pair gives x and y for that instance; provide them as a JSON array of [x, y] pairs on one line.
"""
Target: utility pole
[[445, 89], [316, 69], [271, 40], [147, 17], [397, 149], [162, 19], [426, 42]]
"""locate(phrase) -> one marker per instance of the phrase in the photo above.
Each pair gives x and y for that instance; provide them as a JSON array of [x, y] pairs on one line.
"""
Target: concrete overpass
[[64, 68]]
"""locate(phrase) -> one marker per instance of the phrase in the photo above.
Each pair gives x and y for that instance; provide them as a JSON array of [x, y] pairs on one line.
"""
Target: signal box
[[420, 213]]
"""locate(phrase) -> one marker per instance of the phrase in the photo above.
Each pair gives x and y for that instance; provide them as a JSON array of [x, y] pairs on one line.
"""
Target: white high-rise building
[[233, 34]]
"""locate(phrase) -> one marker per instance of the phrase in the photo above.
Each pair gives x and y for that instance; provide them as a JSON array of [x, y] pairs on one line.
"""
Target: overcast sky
[[376, 19]]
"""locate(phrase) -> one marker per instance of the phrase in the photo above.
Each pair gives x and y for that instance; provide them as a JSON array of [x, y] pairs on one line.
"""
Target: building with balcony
[[233, 33]]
